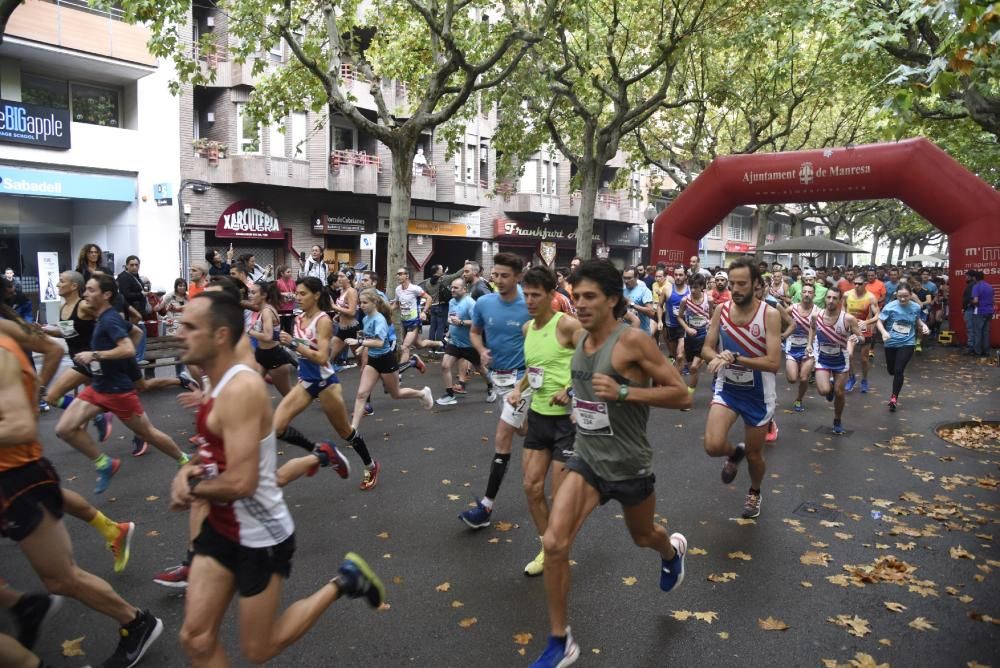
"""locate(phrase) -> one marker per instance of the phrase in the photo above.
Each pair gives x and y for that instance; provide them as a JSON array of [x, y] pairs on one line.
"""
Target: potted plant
[[200, 146]]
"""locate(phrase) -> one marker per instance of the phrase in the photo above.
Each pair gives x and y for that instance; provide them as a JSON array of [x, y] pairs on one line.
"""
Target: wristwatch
[[736, 358], [622, 392]]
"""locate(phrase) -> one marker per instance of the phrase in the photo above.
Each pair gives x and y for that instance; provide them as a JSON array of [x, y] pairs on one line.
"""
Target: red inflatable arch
[[914, 171]]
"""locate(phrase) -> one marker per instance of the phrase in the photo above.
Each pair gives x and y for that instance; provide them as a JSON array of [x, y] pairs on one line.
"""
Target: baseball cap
[[722, 274], [809, 273]]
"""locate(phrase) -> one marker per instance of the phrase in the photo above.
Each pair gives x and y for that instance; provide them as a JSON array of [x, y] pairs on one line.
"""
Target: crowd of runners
[[576, 357]]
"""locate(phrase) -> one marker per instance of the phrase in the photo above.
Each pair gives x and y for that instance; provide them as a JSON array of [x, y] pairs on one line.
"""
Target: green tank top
[[610, 436], [548, 366]]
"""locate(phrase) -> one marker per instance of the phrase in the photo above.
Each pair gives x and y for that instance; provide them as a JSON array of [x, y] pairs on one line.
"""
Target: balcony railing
[[347, 158], [113, 13]]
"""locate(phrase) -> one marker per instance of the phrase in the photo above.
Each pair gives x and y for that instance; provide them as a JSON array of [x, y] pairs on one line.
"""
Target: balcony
[[228, 73], [610, 205], [464, 193], [354, 171], [424, 183], [517, 202], [250, 168]]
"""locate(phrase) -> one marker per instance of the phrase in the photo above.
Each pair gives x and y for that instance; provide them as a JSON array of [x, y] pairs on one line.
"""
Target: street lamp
[[184, 210], [650, 215]]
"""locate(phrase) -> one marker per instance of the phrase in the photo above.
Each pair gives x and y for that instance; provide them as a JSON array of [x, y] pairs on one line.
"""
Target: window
[[716, 232], [300, 130], [554, 178], [344, 139], [529, 181], [277, 139], [470, 163], [95, 105], [740, 228], [45, 92], [247, 131]]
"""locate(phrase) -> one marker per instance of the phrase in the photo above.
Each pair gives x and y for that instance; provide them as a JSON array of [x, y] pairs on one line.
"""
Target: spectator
[[477, 286], [315, 265], [440, 292], [131, 288], [969, 311], [254, 271], [199, 279], [562, 287], [982, 301], [286, 308], [89, 262], [216, 266], [696, 268], [9, 275]]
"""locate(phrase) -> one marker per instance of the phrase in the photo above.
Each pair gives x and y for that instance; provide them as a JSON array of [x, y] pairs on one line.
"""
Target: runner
[[412, 314], [640, 300], [667, 308], [345, 310], [617, 375], [497, 320], [317, 379], [799, 360], [265, 330], [899, 323], [246, 543], [112, 388], [836, 332], [459, 346], [863, 305], [743, 348], [33, 506], [694, 314], [548, 350], [720, 293], [380, 340]]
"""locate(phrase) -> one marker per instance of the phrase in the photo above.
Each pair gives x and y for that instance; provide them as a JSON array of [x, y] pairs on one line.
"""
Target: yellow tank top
[[859, 307]]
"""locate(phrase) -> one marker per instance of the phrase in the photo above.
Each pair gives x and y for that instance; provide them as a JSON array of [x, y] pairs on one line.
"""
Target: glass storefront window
[[96, 105], [44, 92]]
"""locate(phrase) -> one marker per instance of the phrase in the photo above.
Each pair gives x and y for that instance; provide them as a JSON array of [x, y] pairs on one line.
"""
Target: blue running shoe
[[103, 424], [559, 653], [838, 428], [105, 474], [478, 517], [672, 572], [356, 579], [851, 382], [797, 407], [369, 409], [864, 386]]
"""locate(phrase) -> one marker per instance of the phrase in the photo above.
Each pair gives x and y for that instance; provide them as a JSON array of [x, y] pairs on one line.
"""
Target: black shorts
[[384, 363], [470, 354], [252, 566], [692, 347], [626, 492], [551, 432], [675, 333], [272, 358], [344, 333], [23, 493], [82, 370]]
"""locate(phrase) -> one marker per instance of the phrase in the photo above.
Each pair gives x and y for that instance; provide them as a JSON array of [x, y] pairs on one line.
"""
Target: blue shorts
[[828, 364], [413, 325], [797, 354], [756, 411], [316, 385]]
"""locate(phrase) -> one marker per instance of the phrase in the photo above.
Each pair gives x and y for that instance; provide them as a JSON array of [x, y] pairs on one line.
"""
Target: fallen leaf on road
[[723, 634], [772, 624], [523, 638], [855, 625], [681, 615], [922, 624], [457, 604], [828, 524], [152, 533], [503, 526], [521, 652], [805, 584], [721, 577], [444, 586], [493, 540], [397, 579], [895, 607], [742, 521], [384, 535], [885, 641], [843, 536], [708, 617], [152, 498], [629, 581], [72, 647], [811, 558], [453, 497], [739, 555], [961, 553], [466, 623], [446, 482], [696, 550]]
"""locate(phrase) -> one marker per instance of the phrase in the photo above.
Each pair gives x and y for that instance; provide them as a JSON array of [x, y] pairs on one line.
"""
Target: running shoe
[[772, 432], [459, 387], [105, 474], [418, 363], [447, 400], [428, 398], [559, 653], [188, 382], [478, 517], [103, 424], [121, 546], [43, 406], [892, 404], [919, 348], [864, 386], [30, 612], [491, 395], [329, 455], [871, 356], [812, 377], [838, 428], [175, 577], [751, 507], [135, 638], [537, 565], [829, 395], [797, 407], [672, 571], [369, 409], [686, 370], [139, 446], [356, 579], [851, 382], [348, 365], [732, 465], [371, 476]]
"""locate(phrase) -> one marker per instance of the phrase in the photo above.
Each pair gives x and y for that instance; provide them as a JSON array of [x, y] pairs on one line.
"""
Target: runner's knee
[[556, 546], [534, 488], [198, 643]]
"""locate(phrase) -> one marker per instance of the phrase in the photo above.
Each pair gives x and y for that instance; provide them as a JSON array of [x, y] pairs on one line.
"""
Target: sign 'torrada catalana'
[[249, 220]]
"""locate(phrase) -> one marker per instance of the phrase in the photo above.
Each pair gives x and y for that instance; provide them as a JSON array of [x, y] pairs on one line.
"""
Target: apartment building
[[88, 149], [308, 179]]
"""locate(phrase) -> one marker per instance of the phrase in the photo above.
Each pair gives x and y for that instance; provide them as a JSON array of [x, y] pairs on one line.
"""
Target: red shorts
[[124, 405]]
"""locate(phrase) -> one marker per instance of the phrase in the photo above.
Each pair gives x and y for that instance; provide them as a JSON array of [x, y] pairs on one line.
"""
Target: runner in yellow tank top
[[863, 305], [548, 352]]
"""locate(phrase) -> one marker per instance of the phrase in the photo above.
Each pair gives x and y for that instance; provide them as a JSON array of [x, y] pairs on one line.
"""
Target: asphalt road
[[459, 598]]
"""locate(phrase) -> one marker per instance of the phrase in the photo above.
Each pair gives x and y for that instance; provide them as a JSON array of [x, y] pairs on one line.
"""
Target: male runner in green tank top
[[548, 350], [618, 373]]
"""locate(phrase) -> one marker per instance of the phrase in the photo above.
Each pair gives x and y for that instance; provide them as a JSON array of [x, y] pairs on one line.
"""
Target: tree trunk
[[892, 249], [761, 218], [875, 239], [796, 232], [399, 211], [590, 177]]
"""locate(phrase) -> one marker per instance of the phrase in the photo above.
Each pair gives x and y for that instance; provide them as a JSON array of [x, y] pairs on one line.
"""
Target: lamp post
[[649, 214], [183, 211]]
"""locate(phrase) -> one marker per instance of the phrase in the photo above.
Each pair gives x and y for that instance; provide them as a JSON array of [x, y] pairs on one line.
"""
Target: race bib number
[[903, 328], [504, 379], [697, 322], [675, 310], [830, 350], [738, 375], [592, 418], [536, 376], [515, 415], [798, 341], [67, 329]]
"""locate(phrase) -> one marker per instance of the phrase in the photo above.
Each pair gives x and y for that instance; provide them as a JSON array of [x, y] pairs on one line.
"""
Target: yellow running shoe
[[536, 565], [121, 546]]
